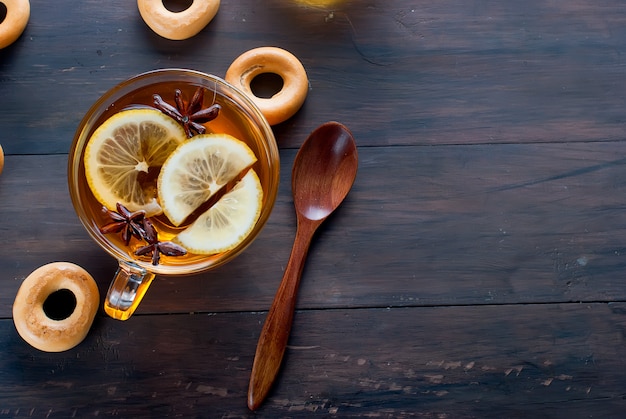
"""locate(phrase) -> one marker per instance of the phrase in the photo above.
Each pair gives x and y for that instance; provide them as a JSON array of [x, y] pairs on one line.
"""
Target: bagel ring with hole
[[32, 322], [284, 104], [177, 25], [15, 21]]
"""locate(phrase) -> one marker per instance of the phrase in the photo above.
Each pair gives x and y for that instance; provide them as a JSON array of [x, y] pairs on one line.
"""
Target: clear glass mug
[[238, 117]]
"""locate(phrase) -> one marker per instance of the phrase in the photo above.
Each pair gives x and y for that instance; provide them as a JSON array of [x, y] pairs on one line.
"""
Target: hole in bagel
[[266, 85], [60, 304], [177, 6], [3, 12]]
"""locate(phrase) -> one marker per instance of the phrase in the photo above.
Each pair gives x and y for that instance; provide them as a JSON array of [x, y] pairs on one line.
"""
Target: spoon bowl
[[324, 171], [322, 175]]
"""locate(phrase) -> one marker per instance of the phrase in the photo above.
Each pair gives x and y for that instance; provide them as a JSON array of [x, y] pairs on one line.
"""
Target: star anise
[[156, 247], [129, 223], [190, 115]]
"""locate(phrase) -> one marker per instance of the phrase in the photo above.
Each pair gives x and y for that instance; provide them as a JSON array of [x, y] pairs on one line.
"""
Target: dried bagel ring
[[284, 104], [15, 21], [70, 323], [177, 25]]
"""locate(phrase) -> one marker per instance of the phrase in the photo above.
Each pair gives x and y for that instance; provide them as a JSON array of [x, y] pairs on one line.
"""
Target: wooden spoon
[[322, 175]]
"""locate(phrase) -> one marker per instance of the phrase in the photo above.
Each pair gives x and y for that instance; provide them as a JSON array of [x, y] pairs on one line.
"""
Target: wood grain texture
[[485, 224], [450, 72], [489, 361], [475, 270]]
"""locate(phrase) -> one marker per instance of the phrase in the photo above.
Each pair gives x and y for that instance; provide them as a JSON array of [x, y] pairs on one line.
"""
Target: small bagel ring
[[32, 322], [284, 104], [177, 25], [15, 21]]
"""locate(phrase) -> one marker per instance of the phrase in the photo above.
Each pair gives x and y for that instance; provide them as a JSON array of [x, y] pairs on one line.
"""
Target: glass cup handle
[[127, 289]]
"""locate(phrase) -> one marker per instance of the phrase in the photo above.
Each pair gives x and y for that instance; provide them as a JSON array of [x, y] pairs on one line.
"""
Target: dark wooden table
[[477, 268]]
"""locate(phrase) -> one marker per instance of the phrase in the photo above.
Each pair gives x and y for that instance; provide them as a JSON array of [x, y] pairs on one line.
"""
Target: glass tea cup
[[238, 117]]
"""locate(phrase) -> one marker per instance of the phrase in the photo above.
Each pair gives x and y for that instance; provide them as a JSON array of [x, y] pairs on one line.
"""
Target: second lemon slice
[[197, 170], [227, 223]]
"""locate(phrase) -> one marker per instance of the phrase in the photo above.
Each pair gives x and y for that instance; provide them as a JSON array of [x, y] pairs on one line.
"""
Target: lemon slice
[[228, 222], [124, 154], [197, 170]]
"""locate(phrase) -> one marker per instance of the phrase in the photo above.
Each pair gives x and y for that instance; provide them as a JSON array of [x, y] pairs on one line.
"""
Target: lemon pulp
[[199, 168], [227, 223], [124, 154]]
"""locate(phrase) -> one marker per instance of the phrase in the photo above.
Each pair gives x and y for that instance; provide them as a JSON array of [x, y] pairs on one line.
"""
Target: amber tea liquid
[[229, 121]]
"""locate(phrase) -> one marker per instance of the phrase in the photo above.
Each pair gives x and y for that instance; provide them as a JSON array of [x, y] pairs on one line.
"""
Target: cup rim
[[138, 81]]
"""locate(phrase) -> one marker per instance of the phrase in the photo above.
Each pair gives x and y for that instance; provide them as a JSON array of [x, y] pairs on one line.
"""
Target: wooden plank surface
[[546, 361], [475, 270], [422, 226], [450, 72]]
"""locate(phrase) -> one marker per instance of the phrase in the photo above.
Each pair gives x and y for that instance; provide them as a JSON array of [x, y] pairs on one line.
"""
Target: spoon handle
[[275, 333]]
